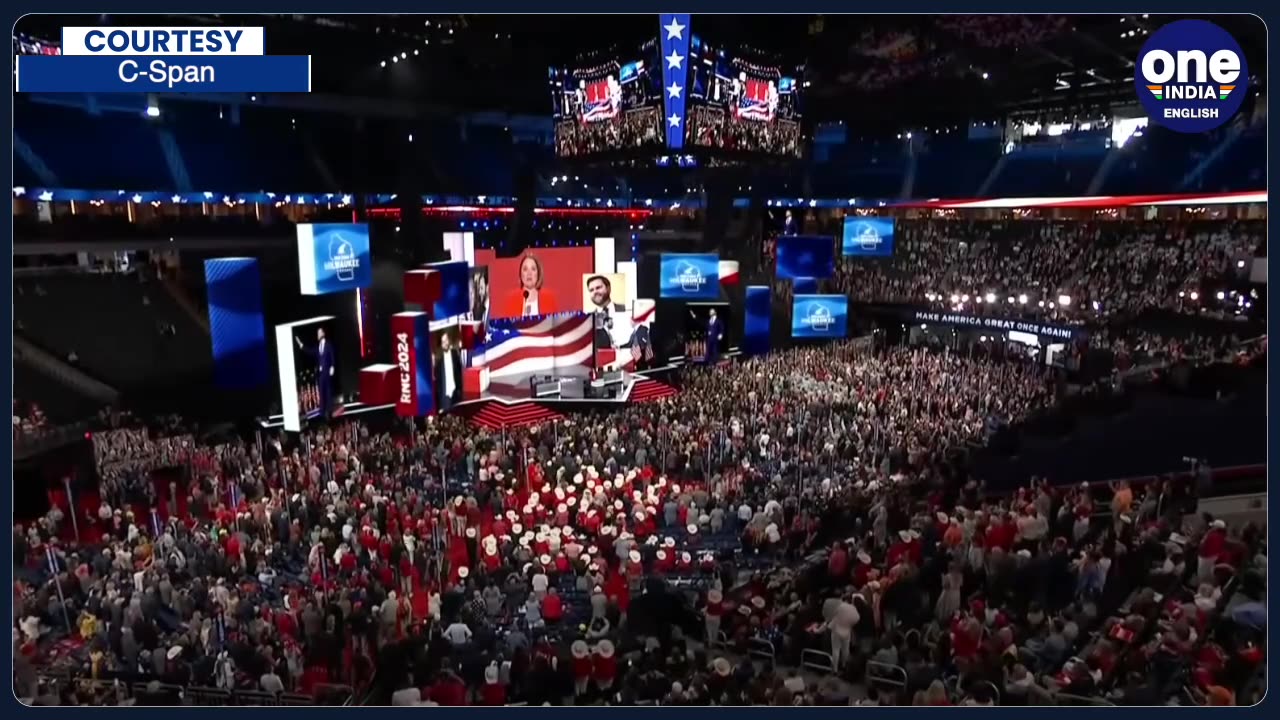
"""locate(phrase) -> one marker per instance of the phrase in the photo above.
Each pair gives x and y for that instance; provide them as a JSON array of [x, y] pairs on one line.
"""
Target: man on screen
[[600, 292], [715, 333], [530, 298], [323, 353], [448, 373]]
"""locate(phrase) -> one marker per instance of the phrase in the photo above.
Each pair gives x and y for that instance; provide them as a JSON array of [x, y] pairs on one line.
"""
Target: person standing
[[715, 334], [448, 373], [323, 354]]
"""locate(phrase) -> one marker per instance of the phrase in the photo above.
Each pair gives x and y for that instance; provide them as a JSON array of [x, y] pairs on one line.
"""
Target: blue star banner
[[673, 36]]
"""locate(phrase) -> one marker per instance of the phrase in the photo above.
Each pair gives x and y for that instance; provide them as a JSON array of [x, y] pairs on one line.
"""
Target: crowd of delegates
[[998, 31], [1123, 267], [28, 419], [439, 564], [631, 129]]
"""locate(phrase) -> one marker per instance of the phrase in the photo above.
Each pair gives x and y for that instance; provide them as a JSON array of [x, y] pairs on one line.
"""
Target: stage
[[519, 400]]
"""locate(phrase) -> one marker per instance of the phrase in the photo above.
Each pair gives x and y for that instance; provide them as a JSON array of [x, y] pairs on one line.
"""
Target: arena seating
[[116, 325]]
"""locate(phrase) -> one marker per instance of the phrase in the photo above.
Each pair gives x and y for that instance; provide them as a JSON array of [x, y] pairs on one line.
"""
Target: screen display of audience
[[742, 104], [820, 316], [867, 237], [539, 281], [610, 106], [805, 256], [690, 276]]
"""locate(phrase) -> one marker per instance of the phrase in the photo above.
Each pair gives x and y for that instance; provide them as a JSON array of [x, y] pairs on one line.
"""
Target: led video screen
[[540, 281], [609, 106], [689, 276], [805, 256], [867, 237], [820, 316]]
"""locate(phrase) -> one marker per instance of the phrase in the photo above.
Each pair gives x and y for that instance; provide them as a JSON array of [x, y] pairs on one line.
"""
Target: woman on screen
[[530, 298]]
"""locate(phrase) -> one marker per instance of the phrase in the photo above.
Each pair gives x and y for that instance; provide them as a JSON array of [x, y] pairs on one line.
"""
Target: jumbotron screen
[[610, 106], [743, 104]]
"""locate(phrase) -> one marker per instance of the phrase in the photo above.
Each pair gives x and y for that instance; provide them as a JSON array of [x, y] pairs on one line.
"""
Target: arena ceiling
[[866, 70]]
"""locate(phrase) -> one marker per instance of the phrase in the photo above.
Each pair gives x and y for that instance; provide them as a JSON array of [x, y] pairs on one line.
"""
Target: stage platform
[[515, 403]]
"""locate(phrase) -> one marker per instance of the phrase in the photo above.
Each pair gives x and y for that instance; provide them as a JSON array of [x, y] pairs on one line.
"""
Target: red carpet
[[646, 389], [494, 415]]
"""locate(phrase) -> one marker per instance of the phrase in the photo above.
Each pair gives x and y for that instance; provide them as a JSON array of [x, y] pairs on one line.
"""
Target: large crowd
[[1105, 269], [810, 504]]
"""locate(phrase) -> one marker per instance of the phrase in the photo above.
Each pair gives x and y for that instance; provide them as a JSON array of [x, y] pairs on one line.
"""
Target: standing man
[[448, 373], [715, 333], [323, 353]]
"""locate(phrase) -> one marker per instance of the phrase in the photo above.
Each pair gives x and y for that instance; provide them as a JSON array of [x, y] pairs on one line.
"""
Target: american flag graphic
[[538, 345], [601, 100], [759, 100]]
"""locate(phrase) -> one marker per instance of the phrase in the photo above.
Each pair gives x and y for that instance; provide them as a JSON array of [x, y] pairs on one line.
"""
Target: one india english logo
[[1191, 76]]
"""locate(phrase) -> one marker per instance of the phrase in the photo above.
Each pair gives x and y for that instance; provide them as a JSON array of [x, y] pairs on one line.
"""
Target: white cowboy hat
[[524, 541], [639, 515], [463, 572], [692, 529], [559, 493], [577, 478], [669, 541], [490, 549], [605, 648], [517, 528], [758, 602], [617, 505], [174, 652], [471, 532], [722, 667], [653, 540], [579, 649], [662, 555], [704, 519], [686, 557], [491, 673], [675, 489], [905, 535], [540, 537], [571, 501], [634, 556], [636, 495], [1219, 524], [715, 596], [457, 501], [863, 557], [943, 518], [544, 559]]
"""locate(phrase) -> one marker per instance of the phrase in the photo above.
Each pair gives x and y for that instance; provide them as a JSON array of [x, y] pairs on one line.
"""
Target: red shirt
[[838, 563], [582, 667], [605, 668], [552, 608], [1211, 546], [448, 692], [493, 694]]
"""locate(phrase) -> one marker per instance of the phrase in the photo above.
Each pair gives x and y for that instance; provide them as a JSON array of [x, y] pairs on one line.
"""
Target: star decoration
[[674, 120], [675, 90], [674, 30], [674, 60]]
